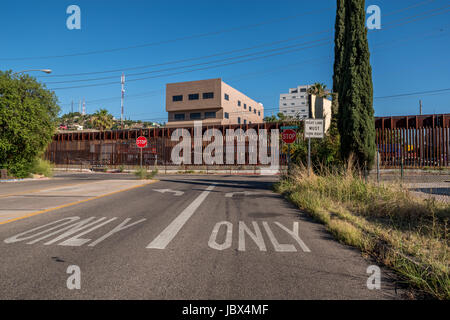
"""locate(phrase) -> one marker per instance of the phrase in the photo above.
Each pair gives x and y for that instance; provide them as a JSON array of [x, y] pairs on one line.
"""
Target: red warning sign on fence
[[141, 142]]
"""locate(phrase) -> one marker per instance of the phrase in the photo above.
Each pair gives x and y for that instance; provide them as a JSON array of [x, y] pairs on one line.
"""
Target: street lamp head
[[42, 70]]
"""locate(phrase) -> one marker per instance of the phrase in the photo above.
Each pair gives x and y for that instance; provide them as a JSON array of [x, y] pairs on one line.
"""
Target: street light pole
[[41, 70]]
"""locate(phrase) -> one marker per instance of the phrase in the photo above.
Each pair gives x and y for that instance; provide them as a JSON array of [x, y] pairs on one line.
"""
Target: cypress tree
[[353, 83], [338, 55]]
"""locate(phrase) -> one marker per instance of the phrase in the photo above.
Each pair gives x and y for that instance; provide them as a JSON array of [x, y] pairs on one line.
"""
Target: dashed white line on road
[[164, 238]]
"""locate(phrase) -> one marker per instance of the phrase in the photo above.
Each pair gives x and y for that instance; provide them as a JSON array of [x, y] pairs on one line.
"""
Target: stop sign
[[141, 142], [288, 136]]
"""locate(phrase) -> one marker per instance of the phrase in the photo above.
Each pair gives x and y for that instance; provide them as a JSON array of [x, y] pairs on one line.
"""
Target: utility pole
[[420, 102], [71, 110], [84, 107], [122, 81], [79, 106]]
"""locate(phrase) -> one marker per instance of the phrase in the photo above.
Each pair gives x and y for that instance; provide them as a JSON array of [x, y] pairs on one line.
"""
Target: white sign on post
[[314, 128]]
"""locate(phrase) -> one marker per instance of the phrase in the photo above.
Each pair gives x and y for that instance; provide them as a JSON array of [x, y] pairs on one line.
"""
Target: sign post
[[313, 129], [288, 136], [141, 142]]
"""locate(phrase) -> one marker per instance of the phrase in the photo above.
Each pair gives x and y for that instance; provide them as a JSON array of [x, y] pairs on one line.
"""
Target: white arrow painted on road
[[176, 192], [245, 193], [164, 238]]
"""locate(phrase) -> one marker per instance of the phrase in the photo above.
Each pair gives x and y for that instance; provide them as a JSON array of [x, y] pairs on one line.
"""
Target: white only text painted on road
[[256, 235], [164, 238], [71, 227]]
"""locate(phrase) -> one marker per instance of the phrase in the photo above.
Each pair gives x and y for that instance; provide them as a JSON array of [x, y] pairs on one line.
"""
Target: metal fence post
[[378, 167]]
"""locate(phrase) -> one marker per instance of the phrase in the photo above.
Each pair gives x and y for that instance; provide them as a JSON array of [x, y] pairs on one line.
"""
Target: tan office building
[[212, 101]]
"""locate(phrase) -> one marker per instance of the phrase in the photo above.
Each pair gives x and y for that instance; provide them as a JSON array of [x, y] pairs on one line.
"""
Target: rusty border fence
[[409, 141], [414, 148], [118, 147], [413, 141]]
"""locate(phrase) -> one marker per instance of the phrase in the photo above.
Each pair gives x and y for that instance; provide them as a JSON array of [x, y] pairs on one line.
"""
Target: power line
[[408, 8], [271, 70], [193, 70], [413, 93], [188, 59], [218, 54], [194, 65], [421, 16], [171, 40], [194, 36], [245, 60]]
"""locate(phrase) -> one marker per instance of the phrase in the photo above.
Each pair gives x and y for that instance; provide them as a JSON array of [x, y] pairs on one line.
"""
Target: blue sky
[[409, 54]]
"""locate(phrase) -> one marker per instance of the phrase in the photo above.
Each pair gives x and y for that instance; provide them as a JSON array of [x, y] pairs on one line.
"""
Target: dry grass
[[408, 234]]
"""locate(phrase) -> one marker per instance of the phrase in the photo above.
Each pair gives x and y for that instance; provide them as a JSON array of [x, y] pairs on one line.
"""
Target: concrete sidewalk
[[18, 205]]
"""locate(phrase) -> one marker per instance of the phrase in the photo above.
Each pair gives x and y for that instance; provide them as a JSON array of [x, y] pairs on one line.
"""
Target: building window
[[239, 120], [209, 115], [254, 111], [303, 90], [177, 98], [293, 97], [292, 104], [249, 122], [284, 104], [195, 116], [239, 103], [245, 106], [294, 91], [227, 115], [208, 95], [179, 116], [303, 103], [227, 97], [245, 121], [259, 113], [194, 96], [249, 108], [284, 98]]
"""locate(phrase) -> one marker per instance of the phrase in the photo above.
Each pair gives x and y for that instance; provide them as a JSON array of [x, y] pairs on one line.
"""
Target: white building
[[296, 102]]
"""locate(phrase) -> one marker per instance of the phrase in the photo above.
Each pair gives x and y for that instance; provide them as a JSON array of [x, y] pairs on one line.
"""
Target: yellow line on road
[[75, 203]]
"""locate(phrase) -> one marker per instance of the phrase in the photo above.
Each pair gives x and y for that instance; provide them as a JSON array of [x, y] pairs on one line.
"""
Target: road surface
[[182, 237]]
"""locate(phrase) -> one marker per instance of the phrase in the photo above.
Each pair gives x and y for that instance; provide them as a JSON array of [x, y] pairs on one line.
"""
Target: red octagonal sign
[[288, 136], [141, 142]]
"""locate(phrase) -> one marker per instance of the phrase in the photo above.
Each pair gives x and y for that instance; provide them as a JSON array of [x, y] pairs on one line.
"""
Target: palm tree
[[102, 120], [319, 89]]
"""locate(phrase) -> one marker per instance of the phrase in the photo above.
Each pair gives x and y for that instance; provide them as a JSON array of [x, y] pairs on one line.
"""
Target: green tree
[[352, 81], [319, 89], [102, 120], [70, 118], [339, 35], [28, 119]]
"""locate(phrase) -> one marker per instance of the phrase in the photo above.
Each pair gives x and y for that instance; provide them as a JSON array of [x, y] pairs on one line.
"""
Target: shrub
[[142, 173], [42, 167]]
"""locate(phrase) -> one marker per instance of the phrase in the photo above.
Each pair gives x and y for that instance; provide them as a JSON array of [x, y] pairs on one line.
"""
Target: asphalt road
[[183, 237]]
